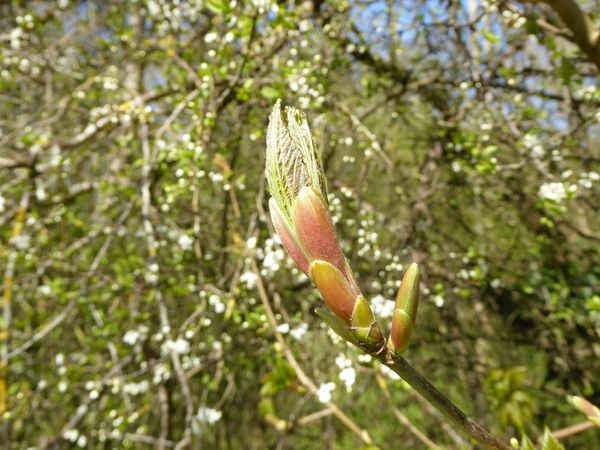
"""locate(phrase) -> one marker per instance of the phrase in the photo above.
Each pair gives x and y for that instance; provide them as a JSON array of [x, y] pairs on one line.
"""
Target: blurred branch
[[361, 433], [564, 433], [5, 330], [464, 423], [401, 417], [585, 33]]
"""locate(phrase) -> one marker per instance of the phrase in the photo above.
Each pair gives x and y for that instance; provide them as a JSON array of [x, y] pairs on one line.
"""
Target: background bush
[[462, 135]]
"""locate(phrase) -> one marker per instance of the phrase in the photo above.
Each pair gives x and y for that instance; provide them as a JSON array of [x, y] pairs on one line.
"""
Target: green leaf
[[550, 442], [270, 93], [526, 443], [218, 6], [567, 70], [491, 37]]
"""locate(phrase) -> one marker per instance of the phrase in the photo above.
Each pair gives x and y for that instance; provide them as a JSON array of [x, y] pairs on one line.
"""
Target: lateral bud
[[405, 312]]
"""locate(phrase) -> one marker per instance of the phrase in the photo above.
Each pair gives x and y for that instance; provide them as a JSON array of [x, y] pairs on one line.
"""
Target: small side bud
[[589, 409], [408, 294], [401, 334], [405, 312], [335, 289]]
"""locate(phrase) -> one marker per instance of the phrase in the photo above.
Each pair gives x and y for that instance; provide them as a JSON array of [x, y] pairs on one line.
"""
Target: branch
[[585, 33], [573, 429], [458, 418], [402, 418], [361, 433]]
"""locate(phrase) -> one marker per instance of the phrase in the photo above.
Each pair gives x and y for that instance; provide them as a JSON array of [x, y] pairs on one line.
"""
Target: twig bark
[[458, 418], [585, 33], [573, 429], [291, 359], [402, 418]]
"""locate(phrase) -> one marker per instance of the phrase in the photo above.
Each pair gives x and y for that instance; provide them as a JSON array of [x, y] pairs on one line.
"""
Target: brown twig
[[361, 433], [458, 418]]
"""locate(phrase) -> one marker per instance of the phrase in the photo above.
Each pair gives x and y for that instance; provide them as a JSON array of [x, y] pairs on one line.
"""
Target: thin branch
[[402, 418], [573, 429], [291, 359], [458, 418], [585, 33]]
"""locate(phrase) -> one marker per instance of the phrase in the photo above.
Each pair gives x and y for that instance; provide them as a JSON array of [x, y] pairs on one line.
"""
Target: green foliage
[[509, 400], [459, 135]]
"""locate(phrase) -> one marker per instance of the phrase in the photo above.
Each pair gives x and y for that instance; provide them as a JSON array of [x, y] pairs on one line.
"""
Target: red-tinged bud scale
[[315, 229]]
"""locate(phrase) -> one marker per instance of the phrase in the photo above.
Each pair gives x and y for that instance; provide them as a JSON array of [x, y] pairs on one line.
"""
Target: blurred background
[[139, 266]]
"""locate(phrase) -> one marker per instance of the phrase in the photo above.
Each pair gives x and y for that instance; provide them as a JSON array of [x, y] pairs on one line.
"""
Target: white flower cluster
[[173, 15], [185, 242], [132, 337], [532, 143], [249, 278], [389, 373], [161, 373], [299, 332], [72, 435], [208, 415], [300, 82], [587, 179], [347, 373], [21, 241], [382, 307], [272, 256], [179, 346], [136, 388], [514, 18], [489, 5], [215, 301], [556, 191], [204, 418], [151, 276], [587, 93], [324, 392]]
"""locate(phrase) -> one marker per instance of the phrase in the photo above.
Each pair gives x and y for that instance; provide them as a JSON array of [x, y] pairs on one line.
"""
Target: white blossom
[[389, 373], [249, 279], [283, 328], [298, 332], [251, 242], [136, 388], [382, 307], [324, 392], [211, 37], [555, 191], [179, 346], [204, 418], [348, 377], [185, 242], [215, 301], [131, 337], [71, 435], [342, 361]]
